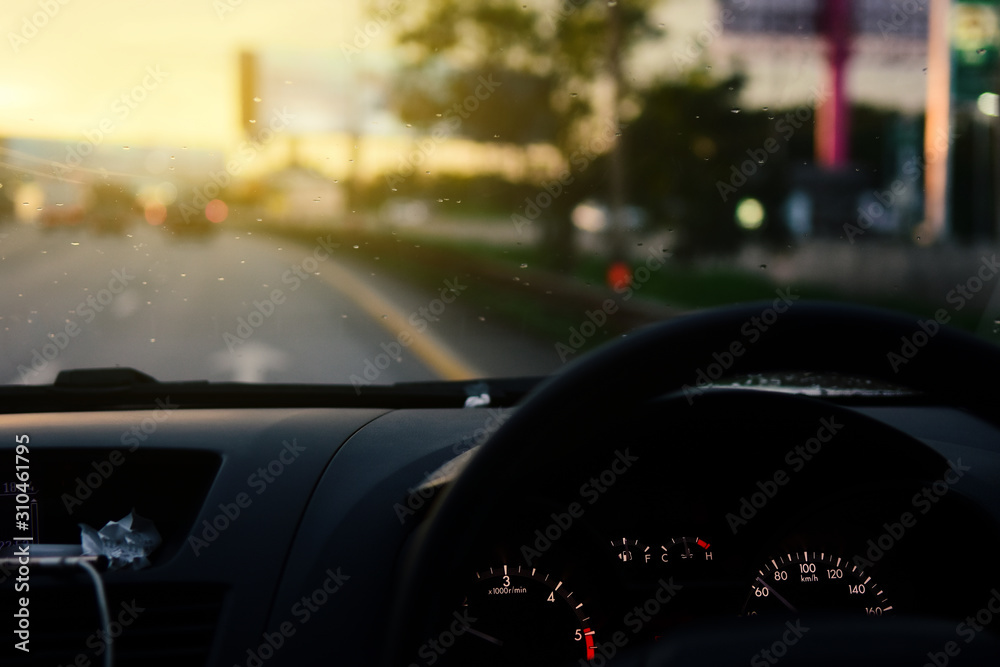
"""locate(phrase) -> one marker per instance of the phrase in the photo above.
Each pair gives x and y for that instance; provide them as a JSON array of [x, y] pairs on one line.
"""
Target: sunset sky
[[69, 78]]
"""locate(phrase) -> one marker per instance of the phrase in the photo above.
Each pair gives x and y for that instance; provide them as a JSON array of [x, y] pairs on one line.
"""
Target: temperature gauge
[[685, 550]]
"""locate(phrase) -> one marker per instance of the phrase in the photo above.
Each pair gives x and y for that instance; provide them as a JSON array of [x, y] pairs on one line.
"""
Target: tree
[[560, 69]]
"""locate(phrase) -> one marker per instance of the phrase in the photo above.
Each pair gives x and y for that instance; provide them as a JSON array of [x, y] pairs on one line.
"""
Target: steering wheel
[[677, 357]]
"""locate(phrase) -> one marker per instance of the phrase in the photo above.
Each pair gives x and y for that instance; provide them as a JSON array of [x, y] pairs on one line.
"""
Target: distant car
[[181, 222], [53, 217]]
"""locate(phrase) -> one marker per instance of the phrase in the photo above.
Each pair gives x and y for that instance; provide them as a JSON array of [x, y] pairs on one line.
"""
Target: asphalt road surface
[[238, 306]]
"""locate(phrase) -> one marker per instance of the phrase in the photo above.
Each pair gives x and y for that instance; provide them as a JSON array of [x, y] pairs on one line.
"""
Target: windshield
[[382, 191]]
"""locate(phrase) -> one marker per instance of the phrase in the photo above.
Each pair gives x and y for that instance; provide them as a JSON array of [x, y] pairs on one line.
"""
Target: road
[[238, 306]]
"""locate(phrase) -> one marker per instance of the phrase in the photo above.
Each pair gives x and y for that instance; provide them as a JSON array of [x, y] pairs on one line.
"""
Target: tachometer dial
[[521, 616], [804, 581]]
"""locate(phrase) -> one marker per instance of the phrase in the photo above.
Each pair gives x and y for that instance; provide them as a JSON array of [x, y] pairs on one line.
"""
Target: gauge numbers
[[803, 581]]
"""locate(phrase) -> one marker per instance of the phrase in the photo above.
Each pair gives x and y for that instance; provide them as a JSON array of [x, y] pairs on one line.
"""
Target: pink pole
[[832, 120]]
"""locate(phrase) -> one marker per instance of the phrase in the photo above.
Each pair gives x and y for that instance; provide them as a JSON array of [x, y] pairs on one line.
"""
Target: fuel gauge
[[632, 551]]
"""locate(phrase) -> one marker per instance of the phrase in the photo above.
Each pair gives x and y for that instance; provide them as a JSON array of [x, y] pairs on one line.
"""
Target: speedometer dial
[[804, 581]]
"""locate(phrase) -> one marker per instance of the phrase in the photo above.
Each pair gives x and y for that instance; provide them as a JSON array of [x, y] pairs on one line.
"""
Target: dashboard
[[789, 510], [618, 536]]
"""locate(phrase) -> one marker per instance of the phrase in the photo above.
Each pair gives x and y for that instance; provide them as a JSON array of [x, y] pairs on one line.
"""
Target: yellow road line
[[432, 352]]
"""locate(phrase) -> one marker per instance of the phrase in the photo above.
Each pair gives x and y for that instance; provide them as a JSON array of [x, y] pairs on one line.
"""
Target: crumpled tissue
[[126, 543]]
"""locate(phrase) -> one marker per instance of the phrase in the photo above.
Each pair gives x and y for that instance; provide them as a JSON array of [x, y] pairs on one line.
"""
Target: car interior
[[508, 332]]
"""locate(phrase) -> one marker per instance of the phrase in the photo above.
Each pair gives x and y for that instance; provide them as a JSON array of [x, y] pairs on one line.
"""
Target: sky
[[138, 72], [66, 79]]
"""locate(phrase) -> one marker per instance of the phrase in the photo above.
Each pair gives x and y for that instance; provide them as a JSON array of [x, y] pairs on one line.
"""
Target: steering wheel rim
[[850, 340]]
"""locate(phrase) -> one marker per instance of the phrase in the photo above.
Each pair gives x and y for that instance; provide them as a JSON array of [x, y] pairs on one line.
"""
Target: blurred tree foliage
[[548, 57], [691, 153]]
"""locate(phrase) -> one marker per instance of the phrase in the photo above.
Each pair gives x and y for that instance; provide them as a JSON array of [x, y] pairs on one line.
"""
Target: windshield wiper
[[130, 389]]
